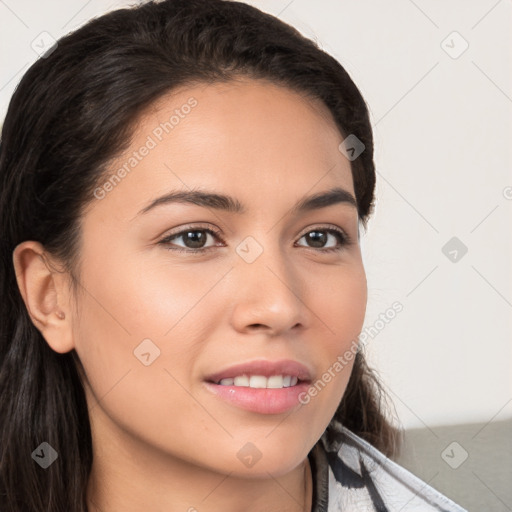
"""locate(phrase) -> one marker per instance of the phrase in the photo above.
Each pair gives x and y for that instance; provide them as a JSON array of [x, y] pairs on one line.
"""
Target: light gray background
[[442, 126]]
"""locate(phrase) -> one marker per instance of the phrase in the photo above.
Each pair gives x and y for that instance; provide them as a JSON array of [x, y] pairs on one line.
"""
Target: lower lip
[[260, 400]]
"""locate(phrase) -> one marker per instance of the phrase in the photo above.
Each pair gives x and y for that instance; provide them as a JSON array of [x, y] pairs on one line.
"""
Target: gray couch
[[470, 463]]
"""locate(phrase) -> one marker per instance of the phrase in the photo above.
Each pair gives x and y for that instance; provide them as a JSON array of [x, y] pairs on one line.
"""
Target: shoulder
[[361, 478]]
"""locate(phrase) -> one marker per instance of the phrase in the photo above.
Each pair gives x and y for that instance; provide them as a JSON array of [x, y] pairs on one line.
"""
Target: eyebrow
[[209, 199]]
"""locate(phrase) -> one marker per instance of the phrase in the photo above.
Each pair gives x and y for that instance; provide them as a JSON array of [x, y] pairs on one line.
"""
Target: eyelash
[[344, 239]]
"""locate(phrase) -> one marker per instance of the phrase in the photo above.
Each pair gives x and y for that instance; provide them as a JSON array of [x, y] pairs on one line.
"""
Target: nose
[[268, 295]]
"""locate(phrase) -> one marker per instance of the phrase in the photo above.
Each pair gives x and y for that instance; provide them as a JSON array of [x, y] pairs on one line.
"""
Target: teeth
[[257, 381], [243, 380], [260, 381], [276, 381]]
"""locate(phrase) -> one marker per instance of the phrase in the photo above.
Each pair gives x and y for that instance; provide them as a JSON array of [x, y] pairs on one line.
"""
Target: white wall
[[442, 133]]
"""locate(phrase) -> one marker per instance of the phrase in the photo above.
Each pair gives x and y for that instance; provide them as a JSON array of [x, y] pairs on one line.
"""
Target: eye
[[319, 237], [194, 239]]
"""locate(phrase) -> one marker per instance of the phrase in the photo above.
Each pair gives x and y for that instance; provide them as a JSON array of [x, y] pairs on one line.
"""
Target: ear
[[44, 291]]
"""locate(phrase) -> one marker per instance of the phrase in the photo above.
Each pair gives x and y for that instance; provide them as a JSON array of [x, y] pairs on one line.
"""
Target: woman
[[182, 186]]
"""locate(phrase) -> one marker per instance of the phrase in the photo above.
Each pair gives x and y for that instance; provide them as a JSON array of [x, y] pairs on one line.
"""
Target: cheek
[[165, 297], [143, 312], [132, 300], [150, 402], [341, 305]]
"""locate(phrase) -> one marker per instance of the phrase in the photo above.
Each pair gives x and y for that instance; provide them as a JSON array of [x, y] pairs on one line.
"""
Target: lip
[[261, 400], [263, 367]]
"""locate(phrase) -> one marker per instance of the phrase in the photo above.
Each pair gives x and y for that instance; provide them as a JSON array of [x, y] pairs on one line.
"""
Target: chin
[[258, 458]]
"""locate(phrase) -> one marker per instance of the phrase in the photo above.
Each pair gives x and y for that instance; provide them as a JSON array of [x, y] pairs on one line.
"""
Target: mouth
[[261, 386], [260, 381], [262, 374]]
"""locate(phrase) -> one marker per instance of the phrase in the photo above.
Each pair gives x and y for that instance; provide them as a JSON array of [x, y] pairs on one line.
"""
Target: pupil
[[320, 237], [196, 237]]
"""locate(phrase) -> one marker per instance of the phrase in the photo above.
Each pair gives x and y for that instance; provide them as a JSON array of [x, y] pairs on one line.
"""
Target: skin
[[161, 441]]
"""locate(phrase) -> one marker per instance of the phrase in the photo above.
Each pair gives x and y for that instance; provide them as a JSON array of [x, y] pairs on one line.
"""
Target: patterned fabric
[[350, 475]]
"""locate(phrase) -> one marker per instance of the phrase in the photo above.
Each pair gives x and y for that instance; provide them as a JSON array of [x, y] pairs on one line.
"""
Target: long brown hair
[[73, 111]]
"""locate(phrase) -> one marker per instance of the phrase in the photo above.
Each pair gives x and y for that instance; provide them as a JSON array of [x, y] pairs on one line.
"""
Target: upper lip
[[265, 368]]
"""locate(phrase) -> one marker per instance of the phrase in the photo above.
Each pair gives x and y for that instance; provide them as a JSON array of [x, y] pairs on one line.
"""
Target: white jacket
[[350, 475]]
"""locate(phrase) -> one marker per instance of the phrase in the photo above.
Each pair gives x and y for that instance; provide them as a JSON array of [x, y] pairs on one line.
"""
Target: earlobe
[[43, 290]]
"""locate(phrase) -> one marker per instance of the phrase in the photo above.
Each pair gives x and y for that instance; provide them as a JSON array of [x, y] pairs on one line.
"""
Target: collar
[[350, 474], [320, 474]]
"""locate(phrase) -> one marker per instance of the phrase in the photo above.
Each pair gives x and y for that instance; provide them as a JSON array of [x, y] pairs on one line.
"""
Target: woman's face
[[160, 325]]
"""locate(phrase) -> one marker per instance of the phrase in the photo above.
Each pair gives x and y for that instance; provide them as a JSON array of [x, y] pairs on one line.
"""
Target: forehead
[[255, 140]]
